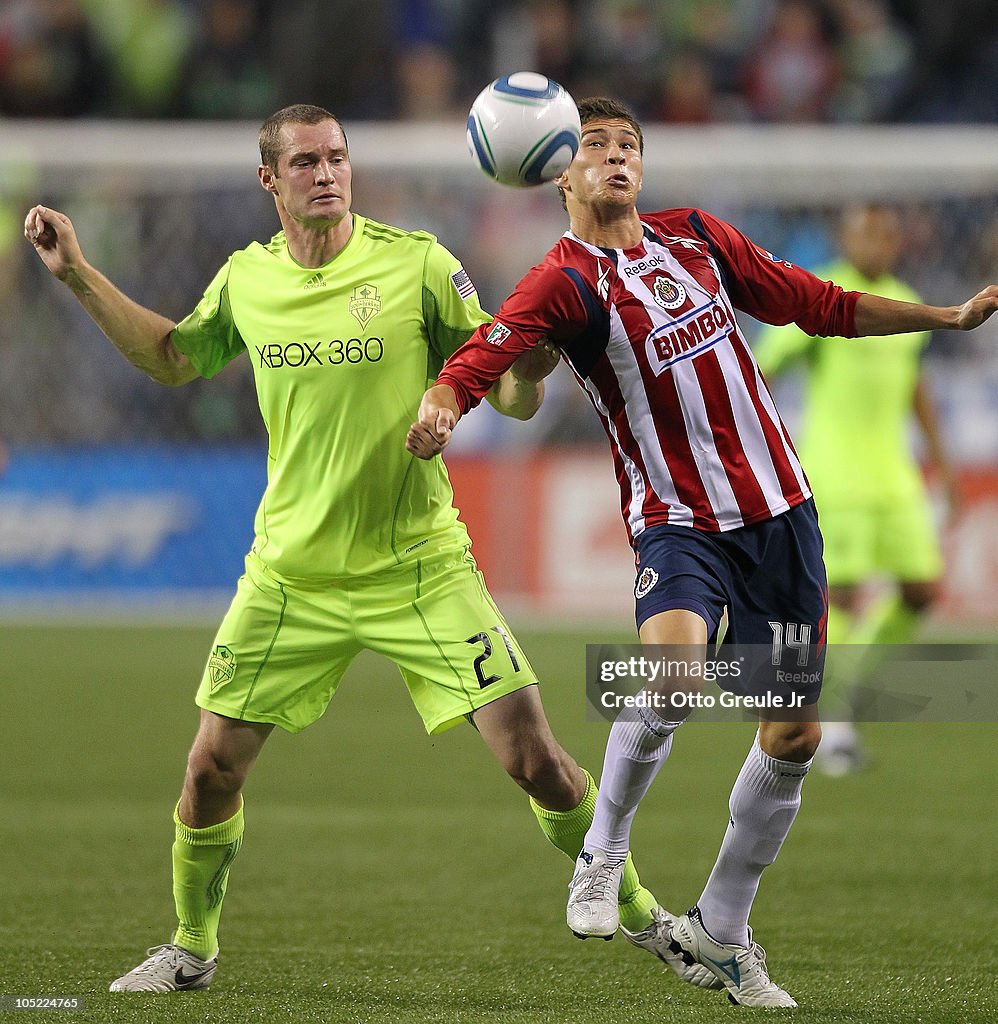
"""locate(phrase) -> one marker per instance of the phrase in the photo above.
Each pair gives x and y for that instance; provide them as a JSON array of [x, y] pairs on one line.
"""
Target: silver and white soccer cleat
[[167, 969], [657, 939], [741, 969], [592, 896]]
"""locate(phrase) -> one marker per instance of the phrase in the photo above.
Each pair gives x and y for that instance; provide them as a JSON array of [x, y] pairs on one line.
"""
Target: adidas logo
[[315, 281]]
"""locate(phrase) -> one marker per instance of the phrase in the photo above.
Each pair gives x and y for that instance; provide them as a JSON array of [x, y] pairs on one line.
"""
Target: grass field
[[389, 877]]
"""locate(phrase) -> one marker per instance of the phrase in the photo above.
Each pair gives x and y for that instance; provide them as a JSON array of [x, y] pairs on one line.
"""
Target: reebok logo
[[643, 266], [315, 281], [602, 282], [685, 243]]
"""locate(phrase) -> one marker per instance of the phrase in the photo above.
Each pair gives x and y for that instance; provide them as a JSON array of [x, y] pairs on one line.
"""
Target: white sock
[[764, 802], [639, 743]]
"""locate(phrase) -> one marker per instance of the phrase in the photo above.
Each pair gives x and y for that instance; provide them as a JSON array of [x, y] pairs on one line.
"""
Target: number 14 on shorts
[[792, 635]]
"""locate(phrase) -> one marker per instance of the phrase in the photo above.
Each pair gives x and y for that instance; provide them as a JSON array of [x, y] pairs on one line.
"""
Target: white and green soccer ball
[[523, 129]]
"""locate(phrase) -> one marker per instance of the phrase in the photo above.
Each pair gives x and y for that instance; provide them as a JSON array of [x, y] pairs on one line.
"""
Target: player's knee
[[794, 741], [545, 775], [211, 774]]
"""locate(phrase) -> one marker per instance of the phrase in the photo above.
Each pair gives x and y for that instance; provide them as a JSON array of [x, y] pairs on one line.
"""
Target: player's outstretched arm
[[877, 315], [519, 392], [139, 334], [438, 415]]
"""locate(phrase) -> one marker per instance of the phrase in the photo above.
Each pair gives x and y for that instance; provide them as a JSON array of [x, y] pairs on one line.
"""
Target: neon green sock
[[891, 621], [201, 859], [567, 830], [841, 665], [635, 902]]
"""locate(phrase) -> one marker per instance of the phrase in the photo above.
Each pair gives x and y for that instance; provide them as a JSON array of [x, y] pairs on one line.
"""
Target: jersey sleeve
[[208, 336], [451, 308], [776, 291], [548, 302]]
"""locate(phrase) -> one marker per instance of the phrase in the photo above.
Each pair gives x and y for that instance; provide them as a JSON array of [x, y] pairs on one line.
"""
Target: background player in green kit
[[876, 517], [346, 322]]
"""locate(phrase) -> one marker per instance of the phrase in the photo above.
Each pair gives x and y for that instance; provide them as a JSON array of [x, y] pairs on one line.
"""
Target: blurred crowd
[[684, 61]]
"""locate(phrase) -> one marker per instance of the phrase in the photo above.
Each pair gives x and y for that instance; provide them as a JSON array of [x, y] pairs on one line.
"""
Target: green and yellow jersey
[[342, 354], [854, 442]]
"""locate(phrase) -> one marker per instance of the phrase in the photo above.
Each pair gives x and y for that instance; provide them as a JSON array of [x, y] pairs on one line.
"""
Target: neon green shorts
[[896, 538], [281, 651]]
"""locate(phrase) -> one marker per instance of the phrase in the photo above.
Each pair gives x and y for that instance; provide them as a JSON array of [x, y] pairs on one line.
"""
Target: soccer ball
[[523, 129]]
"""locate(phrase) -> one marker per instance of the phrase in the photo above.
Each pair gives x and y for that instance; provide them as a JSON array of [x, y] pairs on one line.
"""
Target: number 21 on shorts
[[486, 641]]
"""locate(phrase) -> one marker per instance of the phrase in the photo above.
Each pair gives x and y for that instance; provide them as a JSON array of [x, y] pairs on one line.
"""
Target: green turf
[[389, 877]]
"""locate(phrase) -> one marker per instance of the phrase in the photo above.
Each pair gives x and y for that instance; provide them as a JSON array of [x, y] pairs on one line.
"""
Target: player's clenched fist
[[976, 310], [54, 238], [438, 414]]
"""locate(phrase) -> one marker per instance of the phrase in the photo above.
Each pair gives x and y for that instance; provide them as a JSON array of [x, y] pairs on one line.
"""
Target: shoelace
[[599, 882], [756, 955], [155, 956]]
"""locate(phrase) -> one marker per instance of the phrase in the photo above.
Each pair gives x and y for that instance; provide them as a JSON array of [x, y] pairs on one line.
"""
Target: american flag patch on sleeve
[[462, 283]]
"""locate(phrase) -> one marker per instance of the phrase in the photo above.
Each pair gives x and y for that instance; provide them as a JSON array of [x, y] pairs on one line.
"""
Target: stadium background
[[126, 507], [115, 484]]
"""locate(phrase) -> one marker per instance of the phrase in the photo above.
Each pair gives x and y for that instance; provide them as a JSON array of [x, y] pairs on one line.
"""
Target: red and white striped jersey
[[651, 335]]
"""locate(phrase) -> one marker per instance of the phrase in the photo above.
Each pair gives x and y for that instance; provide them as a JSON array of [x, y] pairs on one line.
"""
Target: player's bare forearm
[[438, 415], [876, 315], [142, 336], [516, 398], [519, 392]]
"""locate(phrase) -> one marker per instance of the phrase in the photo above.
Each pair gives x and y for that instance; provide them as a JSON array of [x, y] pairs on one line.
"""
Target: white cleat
[[840, 761], [841, 752], [657, 939], [741, 969], [168, 969], [592, 896]]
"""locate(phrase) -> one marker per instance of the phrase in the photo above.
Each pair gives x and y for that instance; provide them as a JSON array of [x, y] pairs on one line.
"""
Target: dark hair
[[297, 113], [599, 108]]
